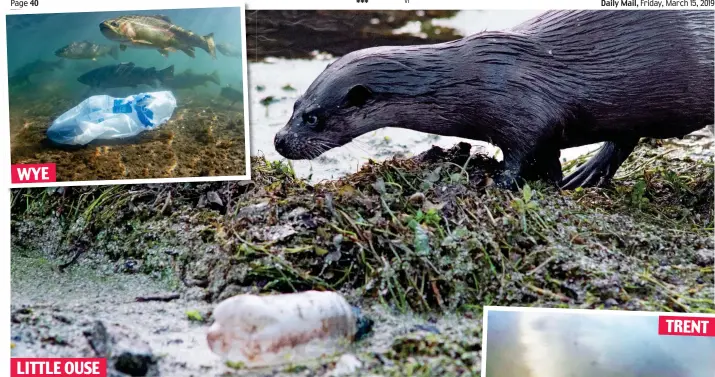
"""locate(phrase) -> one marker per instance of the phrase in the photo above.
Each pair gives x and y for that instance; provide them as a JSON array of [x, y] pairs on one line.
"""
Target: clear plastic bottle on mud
[[259, 331]]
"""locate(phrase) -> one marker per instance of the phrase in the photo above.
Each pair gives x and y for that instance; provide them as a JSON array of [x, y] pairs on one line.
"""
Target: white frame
[[82, 7]]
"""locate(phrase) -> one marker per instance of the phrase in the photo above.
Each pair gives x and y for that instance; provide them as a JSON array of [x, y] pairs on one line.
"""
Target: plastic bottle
[[103, 117], [259, 331]]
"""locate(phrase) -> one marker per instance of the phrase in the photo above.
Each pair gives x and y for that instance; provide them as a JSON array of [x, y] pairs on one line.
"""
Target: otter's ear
[[358, 95]]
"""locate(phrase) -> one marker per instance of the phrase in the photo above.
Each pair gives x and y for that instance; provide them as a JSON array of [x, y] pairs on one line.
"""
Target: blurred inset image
[[566, 343]]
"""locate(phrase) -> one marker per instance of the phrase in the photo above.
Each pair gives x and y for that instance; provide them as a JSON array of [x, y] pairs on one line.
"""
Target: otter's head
[[352, 96]]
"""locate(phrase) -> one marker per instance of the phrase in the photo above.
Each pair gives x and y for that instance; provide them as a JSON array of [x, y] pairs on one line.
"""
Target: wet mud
[[426, 241]]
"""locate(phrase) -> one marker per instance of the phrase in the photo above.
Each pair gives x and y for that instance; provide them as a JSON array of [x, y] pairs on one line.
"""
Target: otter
[[559, 80]]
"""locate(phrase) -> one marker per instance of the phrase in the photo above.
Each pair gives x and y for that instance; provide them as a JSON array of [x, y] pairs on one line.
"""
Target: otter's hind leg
[[601, 167]]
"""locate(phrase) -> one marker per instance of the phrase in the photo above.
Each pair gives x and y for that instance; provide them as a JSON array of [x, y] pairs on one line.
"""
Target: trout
[[227, 49], [87, 50], [156, 32], [188, 79], [125, 75], [231, 94]]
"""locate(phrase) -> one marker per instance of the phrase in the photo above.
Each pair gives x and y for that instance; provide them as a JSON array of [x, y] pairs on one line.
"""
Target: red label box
[[686, 326], [57, 367], [33, 173]]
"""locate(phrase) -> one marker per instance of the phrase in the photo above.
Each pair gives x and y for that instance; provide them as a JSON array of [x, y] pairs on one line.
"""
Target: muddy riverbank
[[65, 317], [424, 241]]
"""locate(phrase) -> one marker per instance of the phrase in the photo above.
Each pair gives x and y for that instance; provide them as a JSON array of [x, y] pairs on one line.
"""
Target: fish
[[87, 50], [188, 79], [39, 66], [125, 75], [232, 94], [156, 32], [21, 76], [227, 49]]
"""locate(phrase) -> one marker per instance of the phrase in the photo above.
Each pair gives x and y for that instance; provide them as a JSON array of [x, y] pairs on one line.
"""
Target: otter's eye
[[313, 121]]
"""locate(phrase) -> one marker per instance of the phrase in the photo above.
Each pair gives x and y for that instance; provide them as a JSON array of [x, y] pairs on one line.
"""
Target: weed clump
[[422, 234], [194, 316], [430, 236]]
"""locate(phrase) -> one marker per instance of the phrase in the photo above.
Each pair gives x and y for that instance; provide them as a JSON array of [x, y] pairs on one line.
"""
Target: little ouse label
[[686, 326], [33, 173], [57, 367]]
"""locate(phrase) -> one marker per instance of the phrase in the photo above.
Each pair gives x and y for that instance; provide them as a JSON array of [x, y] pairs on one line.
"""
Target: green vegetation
[[194, 316], [427, 235]]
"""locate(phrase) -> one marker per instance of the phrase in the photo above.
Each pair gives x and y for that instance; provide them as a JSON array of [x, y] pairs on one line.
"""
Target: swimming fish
[[87, 50], [188, 79], [227, 49], [21, 76], [231, 94], [155, 32], [39, 66], [125, 75]]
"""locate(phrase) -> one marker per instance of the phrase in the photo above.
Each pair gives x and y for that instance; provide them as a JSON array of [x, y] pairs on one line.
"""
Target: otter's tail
[[601, 167]]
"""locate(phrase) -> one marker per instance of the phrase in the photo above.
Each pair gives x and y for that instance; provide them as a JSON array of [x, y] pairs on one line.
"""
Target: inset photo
[[534, 342], [127, 96]]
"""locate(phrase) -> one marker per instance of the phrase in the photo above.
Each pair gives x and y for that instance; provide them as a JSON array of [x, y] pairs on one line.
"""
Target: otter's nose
[[280, 142]]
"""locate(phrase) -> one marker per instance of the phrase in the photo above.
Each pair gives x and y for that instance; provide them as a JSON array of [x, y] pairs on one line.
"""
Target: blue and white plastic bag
[[105, 118]]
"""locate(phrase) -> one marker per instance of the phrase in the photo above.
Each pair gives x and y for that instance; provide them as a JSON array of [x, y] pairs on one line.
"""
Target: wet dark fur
[[562, 79]]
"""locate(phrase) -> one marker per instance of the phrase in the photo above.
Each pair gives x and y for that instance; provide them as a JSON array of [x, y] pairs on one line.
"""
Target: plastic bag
[[103, 117]]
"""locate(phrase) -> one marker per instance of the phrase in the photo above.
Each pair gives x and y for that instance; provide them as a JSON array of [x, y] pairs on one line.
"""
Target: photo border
[[127, 5], [65, 7]]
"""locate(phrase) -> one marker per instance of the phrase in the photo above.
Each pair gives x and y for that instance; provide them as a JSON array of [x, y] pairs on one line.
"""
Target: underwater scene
[[78, 85]]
